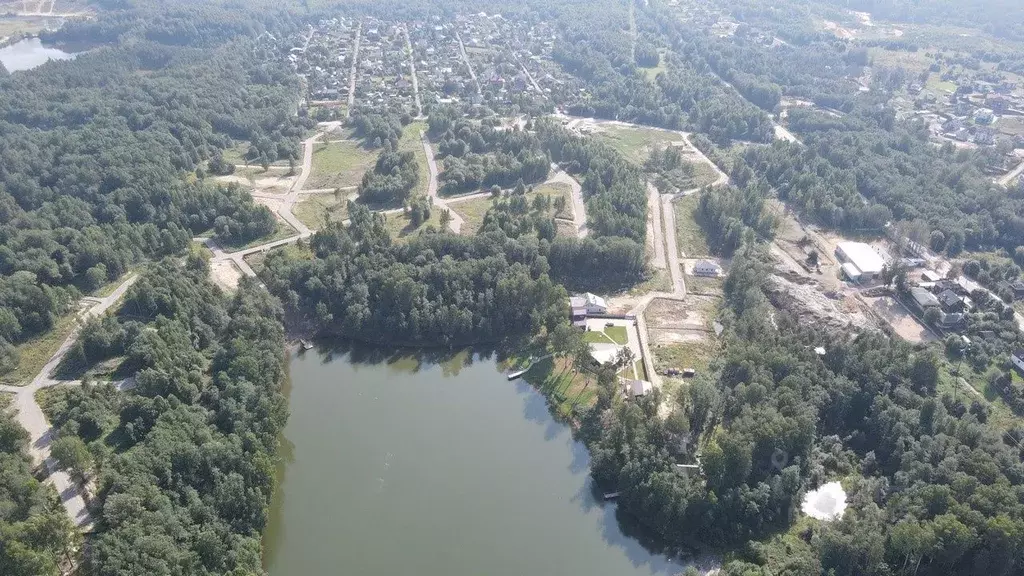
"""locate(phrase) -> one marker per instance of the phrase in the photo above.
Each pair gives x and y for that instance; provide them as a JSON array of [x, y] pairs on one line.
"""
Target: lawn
[[564, 389], [36, 352], [339, 164], [689, 235], [614, 334], [636, 143], [311, 210], [412, 142]]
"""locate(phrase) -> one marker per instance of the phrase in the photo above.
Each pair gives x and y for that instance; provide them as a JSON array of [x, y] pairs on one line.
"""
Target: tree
[[72, 454], [446, 218], [932, 316]]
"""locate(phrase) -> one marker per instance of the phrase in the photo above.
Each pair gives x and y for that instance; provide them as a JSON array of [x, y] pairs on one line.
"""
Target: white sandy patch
[[825, 503], [225, 274]]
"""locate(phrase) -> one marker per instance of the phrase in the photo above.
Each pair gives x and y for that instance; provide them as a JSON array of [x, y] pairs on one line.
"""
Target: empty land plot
[[474, 211], [635, 142], [400, 225], [901, 320], [411, 141], [689, 236], [317, 209], [339, 164]]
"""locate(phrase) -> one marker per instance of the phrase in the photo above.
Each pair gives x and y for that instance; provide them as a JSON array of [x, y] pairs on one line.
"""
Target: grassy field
[[635, 144], [614, 334], [311, 210], [339, 164], [563, 388], [689, 235], [399, 225], [281, 231], [704, 284], [652, 73], [411, 141], [694, 354], [474, 211], [914, 62], [36, 352]]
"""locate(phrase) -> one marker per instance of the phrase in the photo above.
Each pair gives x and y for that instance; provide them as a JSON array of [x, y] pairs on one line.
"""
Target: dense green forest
[[36, 535], [436, 288], [185, 463], [933, 487], [94, 152]]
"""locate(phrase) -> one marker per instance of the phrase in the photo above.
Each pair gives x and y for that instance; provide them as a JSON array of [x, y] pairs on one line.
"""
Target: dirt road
[[456, 221], [30, 416], [352, 71], [465, 58], [412, 70], [1011, 175], [579, 208]]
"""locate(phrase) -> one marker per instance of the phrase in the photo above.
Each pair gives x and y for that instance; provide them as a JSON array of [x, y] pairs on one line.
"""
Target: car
[[609, 324]]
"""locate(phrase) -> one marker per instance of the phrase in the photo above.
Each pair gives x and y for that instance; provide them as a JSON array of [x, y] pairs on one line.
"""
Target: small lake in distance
[[30, 53], [395, 464]]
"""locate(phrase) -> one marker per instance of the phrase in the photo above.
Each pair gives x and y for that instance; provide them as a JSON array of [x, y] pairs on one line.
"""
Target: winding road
[[30, 415]]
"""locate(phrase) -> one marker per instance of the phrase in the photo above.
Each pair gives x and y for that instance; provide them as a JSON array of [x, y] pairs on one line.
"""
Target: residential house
[[589, 304], [923, 299], [984, 117], [635, 388], [1017, 358], [951, 301], [706, 268]]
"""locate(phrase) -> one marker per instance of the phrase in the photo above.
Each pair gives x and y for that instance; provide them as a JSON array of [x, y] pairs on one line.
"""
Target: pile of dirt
[[805, 298]]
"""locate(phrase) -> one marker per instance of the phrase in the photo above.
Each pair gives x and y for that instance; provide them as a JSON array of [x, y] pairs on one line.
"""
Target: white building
[[1018, 359], [860, 261], [589, 302], [706, 268], [634, 388]]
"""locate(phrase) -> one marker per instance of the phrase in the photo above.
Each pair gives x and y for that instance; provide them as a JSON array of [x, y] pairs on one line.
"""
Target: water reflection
[[432, 462], [30, 53]]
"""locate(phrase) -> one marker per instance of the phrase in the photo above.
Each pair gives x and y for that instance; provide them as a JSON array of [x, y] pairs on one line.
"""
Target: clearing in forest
[[473, 211], [314, 208], [635, 142], [411, 141], [689, 236], [339, 164]]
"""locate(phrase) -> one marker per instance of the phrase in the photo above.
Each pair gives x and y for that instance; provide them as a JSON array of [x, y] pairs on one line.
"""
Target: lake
[[29, 53], [400, 465]]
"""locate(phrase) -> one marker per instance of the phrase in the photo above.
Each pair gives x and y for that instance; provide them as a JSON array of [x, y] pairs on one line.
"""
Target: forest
[[932, 486], [184, 463], [437, 288], [94, 155]]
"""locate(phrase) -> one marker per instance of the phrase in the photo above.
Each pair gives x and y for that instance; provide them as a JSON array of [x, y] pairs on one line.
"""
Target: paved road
[[352, 71], [32, 419]]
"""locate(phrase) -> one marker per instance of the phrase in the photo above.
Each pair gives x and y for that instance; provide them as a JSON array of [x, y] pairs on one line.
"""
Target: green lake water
[[396, 465]]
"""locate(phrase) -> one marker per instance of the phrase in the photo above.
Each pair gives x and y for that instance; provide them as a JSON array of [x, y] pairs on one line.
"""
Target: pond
[[394, 464], [29, 53]]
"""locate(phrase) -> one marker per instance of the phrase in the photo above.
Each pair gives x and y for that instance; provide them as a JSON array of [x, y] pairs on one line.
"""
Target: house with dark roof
[[951, 301]]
